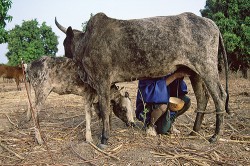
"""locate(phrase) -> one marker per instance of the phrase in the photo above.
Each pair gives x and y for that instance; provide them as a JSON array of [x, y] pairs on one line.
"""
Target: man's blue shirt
[[155, 91]]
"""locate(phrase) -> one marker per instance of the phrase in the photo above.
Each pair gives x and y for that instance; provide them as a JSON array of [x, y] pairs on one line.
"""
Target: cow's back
[[147, 47]]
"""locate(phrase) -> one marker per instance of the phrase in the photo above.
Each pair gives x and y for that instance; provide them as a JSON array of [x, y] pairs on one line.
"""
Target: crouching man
[[152, 106]]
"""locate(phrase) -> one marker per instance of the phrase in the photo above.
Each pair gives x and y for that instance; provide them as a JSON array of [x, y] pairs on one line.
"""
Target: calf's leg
[[41, 96], [88, 134]]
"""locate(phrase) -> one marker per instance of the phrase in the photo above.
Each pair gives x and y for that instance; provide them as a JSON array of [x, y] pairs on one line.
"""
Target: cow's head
[[71, 36], [68, 43]]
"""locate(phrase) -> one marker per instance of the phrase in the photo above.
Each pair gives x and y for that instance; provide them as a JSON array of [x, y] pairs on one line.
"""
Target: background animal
[[10, 72], [59, 75], [113, 50]]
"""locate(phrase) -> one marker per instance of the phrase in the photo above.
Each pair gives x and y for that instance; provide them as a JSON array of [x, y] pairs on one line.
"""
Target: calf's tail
[[221, 43]]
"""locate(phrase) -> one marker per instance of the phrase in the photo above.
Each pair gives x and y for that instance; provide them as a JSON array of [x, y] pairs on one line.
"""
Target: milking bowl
[[175, 104]]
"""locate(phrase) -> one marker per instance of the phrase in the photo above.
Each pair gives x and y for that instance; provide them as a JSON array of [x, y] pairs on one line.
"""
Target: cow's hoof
[[130, 124], [28, 118], [231, 114], [39, 141], [102, 146], [213, 139], [133, 124], [38, 137]]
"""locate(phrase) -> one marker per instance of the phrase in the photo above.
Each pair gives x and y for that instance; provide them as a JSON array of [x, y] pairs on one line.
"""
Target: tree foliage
[[233, 19], [84, 25], [30, 41], [5, 5]]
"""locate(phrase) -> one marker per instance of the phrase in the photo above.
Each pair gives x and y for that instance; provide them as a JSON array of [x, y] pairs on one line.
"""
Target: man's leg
[[158, 112], [184, 109]]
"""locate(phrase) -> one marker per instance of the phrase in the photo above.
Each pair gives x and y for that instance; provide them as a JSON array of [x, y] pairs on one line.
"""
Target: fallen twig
[[232, 127], [176, 156], [108, 154], [11, 151], [196, 133], [8, 157], [73, 129], [199, 163], [117, 148], [189, 118], [233, 141], [206, 157], [192, 137], [79, 154], [70, 117], [11, 121]]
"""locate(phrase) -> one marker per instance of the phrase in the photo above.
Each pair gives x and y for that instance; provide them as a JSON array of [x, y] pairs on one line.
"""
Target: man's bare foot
[[175, 130], [151, 131]]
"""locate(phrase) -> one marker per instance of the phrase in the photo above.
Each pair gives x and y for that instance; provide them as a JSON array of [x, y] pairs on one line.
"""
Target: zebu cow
[[10, 72], [59, 75], [151, 47]]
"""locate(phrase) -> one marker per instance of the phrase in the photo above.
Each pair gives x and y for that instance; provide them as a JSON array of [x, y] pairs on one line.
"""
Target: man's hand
[[177, 74], [181, 74]]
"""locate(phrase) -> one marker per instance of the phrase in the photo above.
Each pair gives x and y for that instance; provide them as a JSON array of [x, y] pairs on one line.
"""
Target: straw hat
[[175, 104]]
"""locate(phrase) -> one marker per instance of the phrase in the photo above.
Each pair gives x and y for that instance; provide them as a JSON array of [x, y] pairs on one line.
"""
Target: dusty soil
[[63, 127]]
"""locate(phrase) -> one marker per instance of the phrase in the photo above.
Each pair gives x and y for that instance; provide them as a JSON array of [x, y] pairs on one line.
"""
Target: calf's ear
[[114, 87], [121, 88], [69, 32]]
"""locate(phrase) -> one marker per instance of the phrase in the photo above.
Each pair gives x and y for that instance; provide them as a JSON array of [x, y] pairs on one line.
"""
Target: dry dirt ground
[[63, 127]]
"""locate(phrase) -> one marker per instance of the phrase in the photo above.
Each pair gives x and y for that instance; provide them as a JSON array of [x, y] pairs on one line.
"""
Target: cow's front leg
[[104, 102]]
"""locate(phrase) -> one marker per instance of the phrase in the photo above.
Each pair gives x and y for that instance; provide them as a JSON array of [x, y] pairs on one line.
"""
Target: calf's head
[[122, 108]]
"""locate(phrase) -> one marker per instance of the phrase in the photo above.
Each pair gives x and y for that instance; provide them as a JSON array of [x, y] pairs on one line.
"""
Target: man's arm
[[175, 76]]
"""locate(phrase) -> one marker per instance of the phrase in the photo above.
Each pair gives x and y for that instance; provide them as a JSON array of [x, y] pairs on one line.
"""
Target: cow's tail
[[226, 70]]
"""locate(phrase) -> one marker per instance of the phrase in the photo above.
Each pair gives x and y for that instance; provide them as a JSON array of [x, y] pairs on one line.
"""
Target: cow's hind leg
[[219, 97], [202, 97]]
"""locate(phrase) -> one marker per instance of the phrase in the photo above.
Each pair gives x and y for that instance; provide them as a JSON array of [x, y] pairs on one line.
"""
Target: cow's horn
[[63, 29]]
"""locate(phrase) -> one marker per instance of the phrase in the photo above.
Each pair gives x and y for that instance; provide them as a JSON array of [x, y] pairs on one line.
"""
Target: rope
[[204, 112]]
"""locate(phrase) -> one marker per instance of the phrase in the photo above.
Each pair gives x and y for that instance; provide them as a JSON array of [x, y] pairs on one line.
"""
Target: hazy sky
[[75, 12]]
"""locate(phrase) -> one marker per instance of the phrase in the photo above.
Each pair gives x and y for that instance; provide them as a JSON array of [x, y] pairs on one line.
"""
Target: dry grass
[[63, 126]]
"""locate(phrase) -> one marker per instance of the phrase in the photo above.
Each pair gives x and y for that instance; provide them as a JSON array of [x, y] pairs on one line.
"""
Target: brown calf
[[12, 72]]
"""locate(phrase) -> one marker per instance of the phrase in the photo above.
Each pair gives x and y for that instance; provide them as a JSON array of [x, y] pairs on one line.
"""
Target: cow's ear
[[69, 32]]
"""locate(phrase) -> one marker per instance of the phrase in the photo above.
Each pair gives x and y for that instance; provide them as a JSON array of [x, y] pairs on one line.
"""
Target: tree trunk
[[245, 73]]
